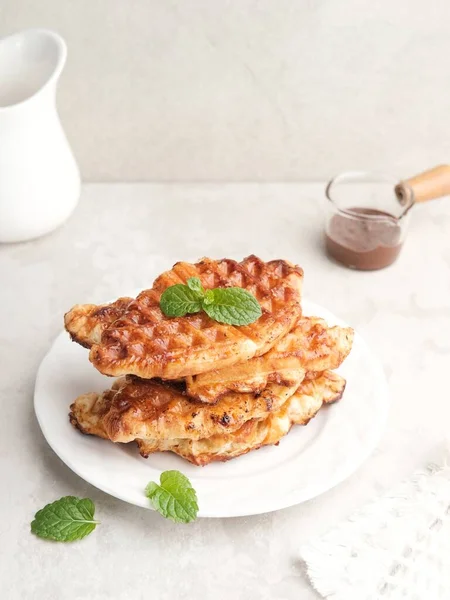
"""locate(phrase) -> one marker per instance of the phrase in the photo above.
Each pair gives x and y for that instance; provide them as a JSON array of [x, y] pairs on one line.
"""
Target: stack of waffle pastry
[[206, 390]]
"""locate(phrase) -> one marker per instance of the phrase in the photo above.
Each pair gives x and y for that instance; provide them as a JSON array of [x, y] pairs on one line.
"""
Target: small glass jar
[[365, 224]]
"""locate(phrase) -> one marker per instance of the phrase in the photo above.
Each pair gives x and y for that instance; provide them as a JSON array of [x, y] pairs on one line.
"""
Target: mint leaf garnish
[[174, 497], [195, 285], [65, 520], [209, 297], [234, 306], [179, 300]]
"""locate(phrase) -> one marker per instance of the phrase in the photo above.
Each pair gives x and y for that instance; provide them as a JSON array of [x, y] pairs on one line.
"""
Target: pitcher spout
[[30, 63]]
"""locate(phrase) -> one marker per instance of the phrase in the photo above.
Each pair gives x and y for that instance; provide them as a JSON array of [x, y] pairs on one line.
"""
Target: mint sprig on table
[[232, 305], [70, 518], [65, 520], [174, 497]]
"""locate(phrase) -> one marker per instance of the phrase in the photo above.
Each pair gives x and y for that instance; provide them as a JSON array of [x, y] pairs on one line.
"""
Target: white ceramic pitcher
[[39, 178]]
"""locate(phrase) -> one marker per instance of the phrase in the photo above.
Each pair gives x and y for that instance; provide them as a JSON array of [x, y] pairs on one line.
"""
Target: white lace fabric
[[396, 548]]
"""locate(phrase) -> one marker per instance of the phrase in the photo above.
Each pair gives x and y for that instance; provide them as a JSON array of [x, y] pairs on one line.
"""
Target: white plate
[[307, 462]]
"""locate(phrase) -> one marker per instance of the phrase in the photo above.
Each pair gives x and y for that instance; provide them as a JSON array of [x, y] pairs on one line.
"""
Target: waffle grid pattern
[[144, 340]]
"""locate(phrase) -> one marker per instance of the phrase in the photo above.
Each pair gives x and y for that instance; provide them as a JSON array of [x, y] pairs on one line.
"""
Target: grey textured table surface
[[118, 235]]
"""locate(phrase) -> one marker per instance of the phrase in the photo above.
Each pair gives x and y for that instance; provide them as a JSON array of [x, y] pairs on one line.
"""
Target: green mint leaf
[[179, 300], [65, 520], [234, 306], [174, 497], [195, 285], [209, 297]]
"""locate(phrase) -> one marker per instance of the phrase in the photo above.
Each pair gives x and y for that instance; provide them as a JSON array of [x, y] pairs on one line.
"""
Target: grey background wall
[[249, 90]]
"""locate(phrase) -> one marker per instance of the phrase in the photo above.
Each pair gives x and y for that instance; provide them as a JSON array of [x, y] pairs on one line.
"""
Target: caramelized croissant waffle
[[203, 389]]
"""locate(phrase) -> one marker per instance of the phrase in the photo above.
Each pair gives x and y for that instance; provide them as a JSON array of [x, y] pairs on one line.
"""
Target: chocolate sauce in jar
[[361, 242]]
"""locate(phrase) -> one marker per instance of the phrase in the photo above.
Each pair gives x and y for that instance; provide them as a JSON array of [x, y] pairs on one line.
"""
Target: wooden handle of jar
[[426, 186]]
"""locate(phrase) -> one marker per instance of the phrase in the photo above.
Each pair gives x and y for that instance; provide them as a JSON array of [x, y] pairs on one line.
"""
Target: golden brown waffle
[[98, 415], [148, 409], [311, 346], [299, 409], [134, 337], [87, 322]]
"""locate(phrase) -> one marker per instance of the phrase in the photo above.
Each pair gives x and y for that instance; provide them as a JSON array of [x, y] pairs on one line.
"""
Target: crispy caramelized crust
[[86, 322], [148, 409], [134, 337], [88, 414], [311, 346], [299, 409]]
